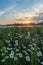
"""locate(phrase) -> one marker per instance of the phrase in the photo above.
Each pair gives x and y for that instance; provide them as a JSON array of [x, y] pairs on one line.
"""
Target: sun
[[28, 22]]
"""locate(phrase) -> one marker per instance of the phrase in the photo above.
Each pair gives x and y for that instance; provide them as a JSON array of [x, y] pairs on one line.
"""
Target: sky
[[21, 11]]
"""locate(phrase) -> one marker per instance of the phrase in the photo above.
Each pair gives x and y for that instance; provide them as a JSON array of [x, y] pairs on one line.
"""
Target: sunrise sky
[[21, 11]]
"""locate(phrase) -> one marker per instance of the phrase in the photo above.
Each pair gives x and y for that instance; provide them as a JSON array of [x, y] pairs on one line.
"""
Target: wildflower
[[20, 55], [32, 48], [21, 36], [42, 62], [11, 39], [34, 44], [33, 39], [7, 41], [23, 46], [15, 58], [17, 50], [27, 58], [28, 35], [16, 41], [6, 57], [39, 54], [30, 51], [2, 54], [8, 34], [17, 54], [11, 55], [9, 48], [12, 52], [9, 45], [30, 45], [3, 60], [25, 52]]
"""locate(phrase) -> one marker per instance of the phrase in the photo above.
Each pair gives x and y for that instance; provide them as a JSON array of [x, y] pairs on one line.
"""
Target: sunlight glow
[[28, 22]]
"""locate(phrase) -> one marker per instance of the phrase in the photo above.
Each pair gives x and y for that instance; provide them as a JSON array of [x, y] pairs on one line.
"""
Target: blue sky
[[21, 11]]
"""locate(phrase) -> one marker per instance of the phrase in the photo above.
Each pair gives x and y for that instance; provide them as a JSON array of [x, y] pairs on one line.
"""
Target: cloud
[[38, 10], [7, 10], [38, 18], [1, 13], [38, 7], [34, 15]]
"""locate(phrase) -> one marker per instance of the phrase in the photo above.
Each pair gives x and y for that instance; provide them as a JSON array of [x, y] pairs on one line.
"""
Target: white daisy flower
[[1, 49], [33, 39], [39, 54], [28, 35], [17, 54], [7, 41], [42, 62], [3, 54], [3, 60], [27, 58], [23, 46], [21, 36], [15, 58], [34, 44], [25, 52], [9, 48], [11, 56], [11, 39], [9, 45], [29, 50], [20, 55], [8, 34], [12, 52], [17, 50], [6, 57], [30, 45], [32, 48], [38, 48], [16, 41]]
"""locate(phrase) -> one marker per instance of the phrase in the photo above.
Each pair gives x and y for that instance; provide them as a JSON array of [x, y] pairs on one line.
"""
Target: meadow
[[21, 46]]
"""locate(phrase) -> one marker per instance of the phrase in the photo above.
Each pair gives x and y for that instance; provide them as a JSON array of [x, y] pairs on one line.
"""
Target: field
[[21, 46]]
